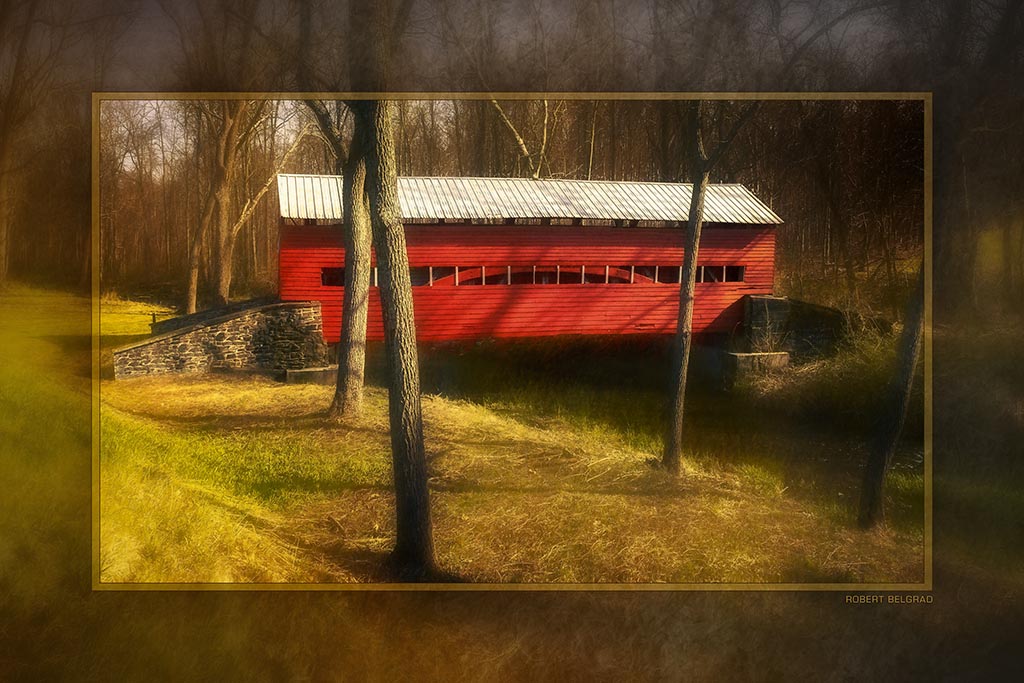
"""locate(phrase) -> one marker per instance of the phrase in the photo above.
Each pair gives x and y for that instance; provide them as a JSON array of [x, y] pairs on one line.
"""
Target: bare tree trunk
[[192, 293], [351, 164], [225, 248], [593, 136], [457, 119], [214, 219], [701, 165], [845, 249], [613, 140], [240, 117], [413, 555], [348, 392], [5, 222], [684, 335], [195, 255], [524, 151], [890, 267], [894, 415]]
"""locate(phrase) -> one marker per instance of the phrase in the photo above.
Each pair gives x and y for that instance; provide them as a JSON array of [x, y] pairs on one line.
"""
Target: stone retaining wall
[[776, 323], [274, 336], [192, 319]]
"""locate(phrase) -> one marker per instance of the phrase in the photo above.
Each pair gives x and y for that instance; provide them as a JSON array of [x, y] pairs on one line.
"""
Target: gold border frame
[[925, 586]]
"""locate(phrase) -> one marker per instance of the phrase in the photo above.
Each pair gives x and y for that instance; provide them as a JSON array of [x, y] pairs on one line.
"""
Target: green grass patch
[[539, 460], [560, 489]]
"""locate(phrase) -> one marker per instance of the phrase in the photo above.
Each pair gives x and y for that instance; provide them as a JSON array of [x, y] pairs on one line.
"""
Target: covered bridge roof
[[430, 199]]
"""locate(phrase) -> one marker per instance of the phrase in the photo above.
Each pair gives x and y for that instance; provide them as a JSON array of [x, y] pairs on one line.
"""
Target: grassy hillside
[[55, 627], [540, 459]]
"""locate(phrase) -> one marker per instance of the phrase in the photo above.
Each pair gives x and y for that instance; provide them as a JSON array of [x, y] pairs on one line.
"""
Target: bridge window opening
[[667, 275], [466, 276], [332, 277], [711, 274], [570, 275], [419, 276]]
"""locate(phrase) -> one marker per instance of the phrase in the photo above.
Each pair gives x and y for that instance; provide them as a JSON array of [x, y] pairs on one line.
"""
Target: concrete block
[[324, 375]]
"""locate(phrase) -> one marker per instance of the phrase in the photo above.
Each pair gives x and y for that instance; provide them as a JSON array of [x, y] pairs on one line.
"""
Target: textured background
[[53, 625]]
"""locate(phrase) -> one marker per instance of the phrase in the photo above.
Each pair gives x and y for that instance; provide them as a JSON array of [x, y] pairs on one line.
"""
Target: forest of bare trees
[[962, 51], [846, 176]]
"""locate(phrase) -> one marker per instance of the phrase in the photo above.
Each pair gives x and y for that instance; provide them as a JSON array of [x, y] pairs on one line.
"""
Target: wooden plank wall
[[500, 310]]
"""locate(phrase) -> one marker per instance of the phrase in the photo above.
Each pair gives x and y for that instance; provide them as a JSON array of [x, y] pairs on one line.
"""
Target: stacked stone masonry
[[777, 323], [275, 336]]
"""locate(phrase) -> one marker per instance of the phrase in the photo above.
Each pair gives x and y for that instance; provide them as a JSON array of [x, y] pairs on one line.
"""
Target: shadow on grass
[[366, 565], [640, 490], [78, 350], [226, 423], [271, 489], [805, 571], [378, 566]]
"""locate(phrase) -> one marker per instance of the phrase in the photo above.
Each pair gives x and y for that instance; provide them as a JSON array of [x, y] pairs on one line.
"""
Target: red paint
[[527, 310]]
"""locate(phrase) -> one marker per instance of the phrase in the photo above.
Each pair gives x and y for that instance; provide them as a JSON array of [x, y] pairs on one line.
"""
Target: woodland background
[[847, 177], [54, 53]]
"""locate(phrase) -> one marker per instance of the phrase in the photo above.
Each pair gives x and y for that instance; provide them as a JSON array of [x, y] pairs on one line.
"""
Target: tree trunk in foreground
[[413, 555], [684, 328], [348, 393], [894, 415], [5, 223], [701, 165], [195, 254], [224, 248]]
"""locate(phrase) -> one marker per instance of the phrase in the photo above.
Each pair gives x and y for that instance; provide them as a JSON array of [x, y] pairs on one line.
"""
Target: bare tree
[[414, 549], [702, 163], [350, 163], [34, 35], [894, 404], [232, 123], [413, 556], [223, 47], [348, 394], [989, 35]]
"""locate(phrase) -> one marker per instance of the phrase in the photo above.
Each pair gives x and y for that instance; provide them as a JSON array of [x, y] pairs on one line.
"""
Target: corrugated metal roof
[[456, 199]]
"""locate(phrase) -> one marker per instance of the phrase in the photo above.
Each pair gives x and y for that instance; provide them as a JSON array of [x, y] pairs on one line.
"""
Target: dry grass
[[54, 625], [539, 473], [547, 501]]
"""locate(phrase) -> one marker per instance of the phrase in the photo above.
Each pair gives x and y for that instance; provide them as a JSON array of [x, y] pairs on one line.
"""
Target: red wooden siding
[[527, 310]]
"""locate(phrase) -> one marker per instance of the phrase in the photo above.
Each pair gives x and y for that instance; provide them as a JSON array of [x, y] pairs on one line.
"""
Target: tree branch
[[253, 202], [329, 130], [523, 150]]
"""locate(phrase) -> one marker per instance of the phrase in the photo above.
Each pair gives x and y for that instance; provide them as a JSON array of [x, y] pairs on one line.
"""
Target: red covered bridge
[[513, 257]]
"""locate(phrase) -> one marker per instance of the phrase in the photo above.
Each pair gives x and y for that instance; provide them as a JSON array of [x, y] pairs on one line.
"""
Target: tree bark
[[700, 170], [214, 220], [894, 412], [672, 456], [348, 392], [225, 247], [593, 136], [524, 152], [195, 255], [5, 221], [701, 165], [227, 157], [413, 555]]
